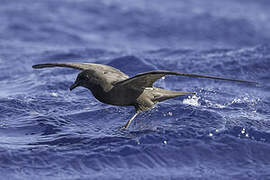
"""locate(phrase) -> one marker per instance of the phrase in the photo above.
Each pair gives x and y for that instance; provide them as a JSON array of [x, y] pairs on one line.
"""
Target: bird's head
[[85, 79]]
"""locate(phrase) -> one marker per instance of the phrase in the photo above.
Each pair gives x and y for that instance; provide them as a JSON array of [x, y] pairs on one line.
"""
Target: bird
[[111, 86]]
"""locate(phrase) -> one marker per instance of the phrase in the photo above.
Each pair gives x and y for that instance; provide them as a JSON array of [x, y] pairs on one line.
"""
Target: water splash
[[214, 105], [192, 100], [54, 94]]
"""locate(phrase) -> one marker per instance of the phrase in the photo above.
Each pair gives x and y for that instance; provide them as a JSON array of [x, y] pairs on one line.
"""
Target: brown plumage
[[111, 86]]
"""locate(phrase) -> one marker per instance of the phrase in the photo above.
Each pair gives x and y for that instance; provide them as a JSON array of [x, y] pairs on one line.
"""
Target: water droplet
[[54, 94]]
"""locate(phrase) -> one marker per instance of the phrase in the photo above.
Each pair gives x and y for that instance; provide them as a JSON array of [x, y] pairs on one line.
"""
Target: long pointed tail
[[163, 94]]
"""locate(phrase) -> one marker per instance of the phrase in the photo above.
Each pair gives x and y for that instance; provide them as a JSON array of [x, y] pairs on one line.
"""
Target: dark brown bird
[[111, 86]]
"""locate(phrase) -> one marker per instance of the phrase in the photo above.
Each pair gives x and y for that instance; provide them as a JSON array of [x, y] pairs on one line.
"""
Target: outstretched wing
[[147, 79], [113, 74], [80, 66]]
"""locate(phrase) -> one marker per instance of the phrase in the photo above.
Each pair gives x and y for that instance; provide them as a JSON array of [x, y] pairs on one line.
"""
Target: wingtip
[[253, 82], [36, 66], [39, 66]]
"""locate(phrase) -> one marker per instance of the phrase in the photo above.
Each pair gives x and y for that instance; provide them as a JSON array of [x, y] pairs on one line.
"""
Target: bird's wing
[[147, 79], [112, 73], [80, 66]]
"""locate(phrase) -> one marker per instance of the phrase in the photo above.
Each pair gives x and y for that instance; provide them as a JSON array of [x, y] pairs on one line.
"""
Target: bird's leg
[[129, 121]]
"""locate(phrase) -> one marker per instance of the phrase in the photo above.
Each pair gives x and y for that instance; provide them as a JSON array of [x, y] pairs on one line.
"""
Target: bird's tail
[[163, 94]]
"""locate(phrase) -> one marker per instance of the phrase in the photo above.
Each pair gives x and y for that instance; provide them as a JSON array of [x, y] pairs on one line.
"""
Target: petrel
[[111, 86]]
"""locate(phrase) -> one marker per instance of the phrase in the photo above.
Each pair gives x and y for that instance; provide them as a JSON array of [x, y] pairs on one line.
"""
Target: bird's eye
[[85, 78]]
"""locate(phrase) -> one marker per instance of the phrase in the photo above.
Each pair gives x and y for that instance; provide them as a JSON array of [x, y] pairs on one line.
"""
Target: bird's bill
[[73, 86]]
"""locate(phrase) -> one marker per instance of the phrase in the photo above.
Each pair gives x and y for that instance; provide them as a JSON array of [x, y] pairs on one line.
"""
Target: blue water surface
[[48, 132]]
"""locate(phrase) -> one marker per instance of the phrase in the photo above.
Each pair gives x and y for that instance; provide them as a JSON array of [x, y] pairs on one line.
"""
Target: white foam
[[54, 94], [215, 105], [192, 100], [245, 100]]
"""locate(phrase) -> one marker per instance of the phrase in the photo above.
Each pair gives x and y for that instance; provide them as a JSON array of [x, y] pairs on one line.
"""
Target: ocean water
[[222, 132]]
